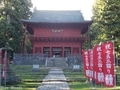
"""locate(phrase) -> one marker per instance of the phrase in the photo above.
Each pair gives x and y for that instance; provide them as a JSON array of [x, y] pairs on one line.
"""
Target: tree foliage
[[106, 23], [11, 28]]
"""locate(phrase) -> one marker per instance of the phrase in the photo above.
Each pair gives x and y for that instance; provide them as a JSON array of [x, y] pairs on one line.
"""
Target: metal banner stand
[[0, 65], [114, 67]]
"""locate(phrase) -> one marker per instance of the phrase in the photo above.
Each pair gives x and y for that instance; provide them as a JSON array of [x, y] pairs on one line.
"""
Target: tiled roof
[[51, 16]]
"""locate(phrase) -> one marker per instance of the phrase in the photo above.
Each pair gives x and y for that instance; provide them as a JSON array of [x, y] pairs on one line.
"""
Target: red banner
[[91, 63], [4, 65], [108, 57], [98, 66], [86, 62]]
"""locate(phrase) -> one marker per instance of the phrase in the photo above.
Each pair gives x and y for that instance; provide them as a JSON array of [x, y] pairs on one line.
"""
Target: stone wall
[[29, 59], [74, 59]]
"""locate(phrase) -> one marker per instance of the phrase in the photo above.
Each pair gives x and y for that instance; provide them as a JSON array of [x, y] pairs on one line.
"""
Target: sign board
[[76, 67], [36, 66]]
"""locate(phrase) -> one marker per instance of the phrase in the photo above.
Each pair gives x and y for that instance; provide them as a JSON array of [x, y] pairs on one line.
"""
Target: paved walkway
[[55, 80]]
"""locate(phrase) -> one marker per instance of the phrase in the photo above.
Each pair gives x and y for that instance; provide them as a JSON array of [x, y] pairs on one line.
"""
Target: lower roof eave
[[31, 22]]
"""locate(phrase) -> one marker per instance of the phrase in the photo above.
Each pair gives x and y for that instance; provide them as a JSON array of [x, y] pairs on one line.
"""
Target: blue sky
[[84, 5]]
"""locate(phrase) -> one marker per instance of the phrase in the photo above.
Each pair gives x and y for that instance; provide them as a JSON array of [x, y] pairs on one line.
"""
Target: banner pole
[[91, 81], [5, 67], [114, 66], [0, 65], [0, 74], [95, 85]]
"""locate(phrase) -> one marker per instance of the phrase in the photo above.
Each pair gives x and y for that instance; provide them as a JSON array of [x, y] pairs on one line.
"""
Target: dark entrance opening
[[57, 54], [57, 51]]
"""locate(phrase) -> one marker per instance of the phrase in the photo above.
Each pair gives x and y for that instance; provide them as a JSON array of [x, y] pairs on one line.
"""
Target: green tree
[[11, 27], [106, 22]]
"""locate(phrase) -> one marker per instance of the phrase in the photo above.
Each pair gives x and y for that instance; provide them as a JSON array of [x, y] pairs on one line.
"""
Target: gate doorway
[[57, 51]]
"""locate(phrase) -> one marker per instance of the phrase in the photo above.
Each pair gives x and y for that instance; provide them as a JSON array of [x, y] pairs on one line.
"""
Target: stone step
[[58, 62]]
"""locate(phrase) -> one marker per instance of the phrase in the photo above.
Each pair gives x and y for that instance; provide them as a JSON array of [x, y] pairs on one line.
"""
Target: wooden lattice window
[[76, 50], [37, 50]]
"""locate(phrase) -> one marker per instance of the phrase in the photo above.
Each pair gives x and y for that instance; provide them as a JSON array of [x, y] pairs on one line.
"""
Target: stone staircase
[[49, 62], [56, 62]]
